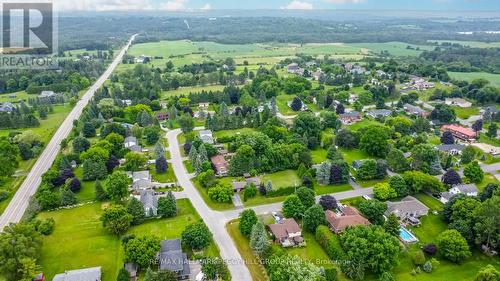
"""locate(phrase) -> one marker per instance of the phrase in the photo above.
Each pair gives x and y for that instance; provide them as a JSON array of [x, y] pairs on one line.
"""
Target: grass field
[[231, 133], [469, 76], [472, 44], [19, 96], [187, 90], [167, 177], [282, 179], [79, 240], [394, 48], [465, 113]]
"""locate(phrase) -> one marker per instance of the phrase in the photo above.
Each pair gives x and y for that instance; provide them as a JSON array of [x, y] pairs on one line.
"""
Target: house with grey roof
[[172, 258], [130, 142], [140, 180], [415, 110], [452, 149], [206, 136], [6, 107], [408, 208], [379, 113], [467, 189], [85, 274], [149, 201], [47, 94]]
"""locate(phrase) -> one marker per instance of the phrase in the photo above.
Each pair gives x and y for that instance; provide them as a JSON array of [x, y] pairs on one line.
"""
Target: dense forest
[[105, 31], [465, 59]]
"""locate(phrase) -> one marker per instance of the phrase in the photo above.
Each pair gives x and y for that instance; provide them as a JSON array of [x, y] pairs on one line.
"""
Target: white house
[[458, 102], [467, 189], [206, 136]]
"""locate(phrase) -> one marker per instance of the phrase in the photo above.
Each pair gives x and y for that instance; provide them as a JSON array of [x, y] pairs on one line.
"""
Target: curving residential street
[[216, 220], [17, 206]]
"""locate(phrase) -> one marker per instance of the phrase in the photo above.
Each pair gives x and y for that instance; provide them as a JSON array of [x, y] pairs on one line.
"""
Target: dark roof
[[450, 147], [172, 258], [170, 245]]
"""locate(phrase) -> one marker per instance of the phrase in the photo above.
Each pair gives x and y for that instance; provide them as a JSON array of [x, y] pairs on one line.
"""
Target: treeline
[[465, 59]]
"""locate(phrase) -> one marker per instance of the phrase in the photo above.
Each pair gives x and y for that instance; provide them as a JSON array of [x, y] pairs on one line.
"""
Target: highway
[[17, 206]]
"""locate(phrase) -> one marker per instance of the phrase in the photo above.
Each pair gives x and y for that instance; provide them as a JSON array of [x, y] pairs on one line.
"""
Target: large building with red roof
[[459, 132]]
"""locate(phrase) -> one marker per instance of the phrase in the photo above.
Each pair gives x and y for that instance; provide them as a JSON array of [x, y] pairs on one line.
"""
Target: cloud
[[206, 7], [345, 1], [104, 5], [173, 5], [297, 5]]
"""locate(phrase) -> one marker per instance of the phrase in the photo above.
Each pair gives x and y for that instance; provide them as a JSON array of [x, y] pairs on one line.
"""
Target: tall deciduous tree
[[116, 219], [292, 207], [116, 185], [136, 209], [142, 250], [167, 206], [248, 219], [313, 217], [453, 246]]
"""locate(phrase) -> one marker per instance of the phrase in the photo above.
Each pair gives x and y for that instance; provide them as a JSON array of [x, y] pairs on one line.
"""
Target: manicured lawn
[[189, 167], [370, 183], [167, 177], [282, 103], [230, 133], [488, 140], [87, 191], [282, 179], [20, 96], [362, 124], [318, 155], [465, 113], [257, 270], [488, 178], [354, 154], [312, 252], [333, 188], [79, 240], [429, 201]]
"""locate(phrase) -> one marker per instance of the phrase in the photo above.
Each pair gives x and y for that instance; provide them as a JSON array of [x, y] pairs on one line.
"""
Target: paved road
[[216, 220], [213, 219], [14, 212]]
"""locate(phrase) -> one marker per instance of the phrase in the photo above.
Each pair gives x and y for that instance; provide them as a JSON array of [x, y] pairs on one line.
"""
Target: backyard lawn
[[231, 133], [465, 113], [79, 240], [353, 154], [87, 190], [318, 155], [167, 177], [286, 178]]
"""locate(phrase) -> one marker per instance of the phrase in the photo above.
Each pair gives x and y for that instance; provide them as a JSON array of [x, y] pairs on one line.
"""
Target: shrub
[[46, 227], [4, 194], [430, 249], [249, 192], [419, 258], [330, 274], [327, 240]]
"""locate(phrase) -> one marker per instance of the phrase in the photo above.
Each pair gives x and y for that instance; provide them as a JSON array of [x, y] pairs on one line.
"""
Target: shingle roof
[[149, 201], [450, 147], [85, 274], [466, 188], [282, 229], [407, 205], [350, 218]]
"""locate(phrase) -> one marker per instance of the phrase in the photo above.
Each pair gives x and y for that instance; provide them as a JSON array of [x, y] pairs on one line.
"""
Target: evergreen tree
[[68, 198], [202, 153], [492, 131], [161, 165], [136, 209], [193, 155], [167, 206], [323, 174], [391, 225], [159, 150], [100, 194], [258, 239]]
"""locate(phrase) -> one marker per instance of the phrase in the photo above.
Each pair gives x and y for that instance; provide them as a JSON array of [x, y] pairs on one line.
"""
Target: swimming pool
[[407, 236]]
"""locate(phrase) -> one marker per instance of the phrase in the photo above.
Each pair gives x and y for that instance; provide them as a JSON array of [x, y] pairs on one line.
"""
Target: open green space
[[87, 190], [363, 123], [465, 113], [232, 133], [167, 177], [398, 49], [80, 241], [354, 154], [469, 76], [282, 179], [15, 97], [194, 89]]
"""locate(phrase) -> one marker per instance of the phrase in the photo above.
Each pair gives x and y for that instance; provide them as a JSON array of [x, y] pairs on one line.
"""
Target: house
[[127, 102], [381, 74], [203, 106], [458, 102], [220, 164], [350, 117], [459, 132], [415, 110], [149, 201], [467, 189], [206, 136], [452, 149], [408, 208], [6, 107], [379, 113], [172, 258], [130, 142], [238, 185], [141, 59], [348, 217], [73, 164], [490, 111], [85, 274], [47, 94], [131, 268], [140, 180], [316, 75], [161, 116], [420, 84], [287, 233], [292, 68]]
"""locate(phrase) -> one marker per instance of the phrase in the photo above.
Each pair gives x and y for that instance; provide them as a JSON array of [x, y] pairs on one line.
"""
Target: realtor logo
[[28, 34]]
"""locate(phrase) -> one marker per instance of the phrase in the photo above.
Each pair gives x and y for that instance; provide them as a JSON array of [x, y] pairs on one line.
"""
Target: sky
[[183, 5]]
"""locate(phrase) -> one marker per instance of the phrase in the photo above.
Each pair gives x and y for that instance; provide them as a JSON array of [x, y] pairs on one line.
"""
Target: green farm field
[[469, 76]]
